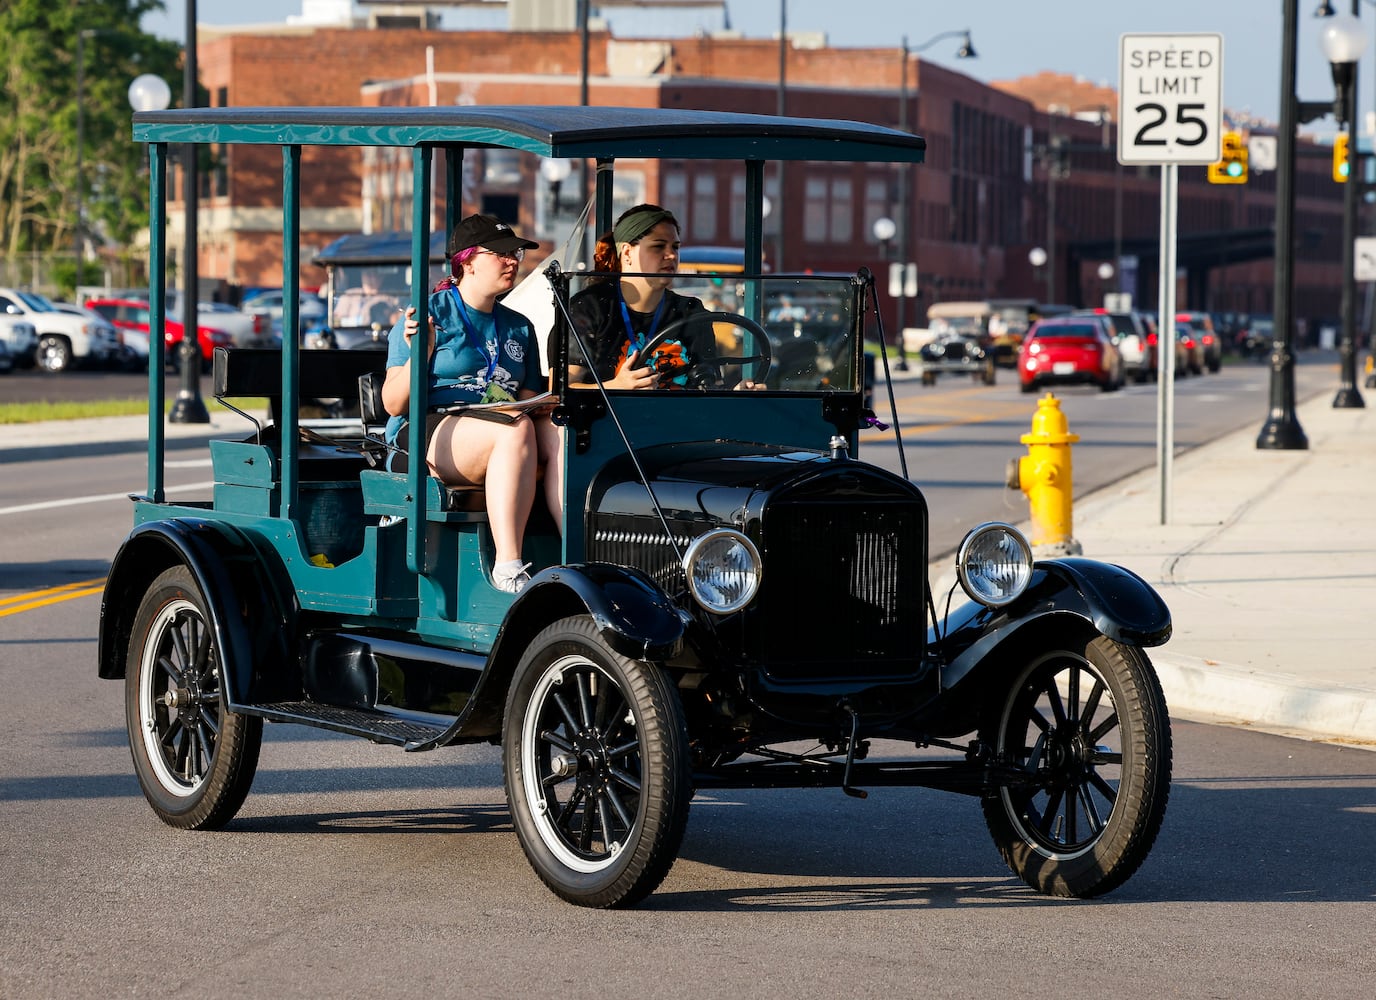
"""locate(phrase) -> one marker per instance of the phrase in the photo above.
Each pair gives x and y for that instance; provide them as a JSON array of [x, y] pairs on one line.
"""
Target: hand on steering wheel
[[704, 373]]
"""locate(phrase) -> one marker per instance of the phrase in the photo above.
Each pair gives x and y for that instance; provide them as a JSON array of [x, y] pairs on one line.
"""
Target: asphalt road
[[78, 385], [356, 870]]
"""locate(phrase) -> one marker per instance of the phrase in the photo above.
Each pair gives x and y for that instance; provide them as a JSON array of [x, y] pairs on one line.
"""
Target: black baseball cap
[[489, 232]]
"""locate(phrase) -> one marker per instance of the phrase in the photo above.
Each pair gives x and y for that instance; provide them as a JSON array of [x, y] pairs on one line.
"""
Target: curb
[[1201, 690]]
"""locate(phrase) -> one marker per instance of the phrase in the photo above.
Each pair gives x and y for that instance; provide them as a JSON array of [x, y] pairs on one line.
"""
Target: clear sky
[[1012, 37]]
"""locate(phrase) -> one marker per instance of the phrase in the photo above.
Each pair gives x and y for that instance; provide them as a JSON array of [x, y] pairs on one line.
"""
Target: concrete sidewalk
[[1267, 562]]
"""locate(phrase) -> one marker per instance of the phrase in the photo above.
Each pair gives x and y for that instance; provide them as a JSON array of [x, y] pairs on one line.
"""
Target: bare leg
[[550, 440], [501, 459]]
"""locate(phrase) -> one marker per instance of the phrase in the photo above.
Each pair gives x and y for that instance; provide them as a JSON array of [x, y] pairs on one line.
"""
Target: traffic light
[[1342, 162], [1232, 168]]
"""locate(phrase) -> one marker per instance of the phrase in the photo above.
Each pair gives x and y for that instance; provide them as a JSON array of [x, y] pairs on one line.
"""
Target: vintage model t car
[[737, 600]]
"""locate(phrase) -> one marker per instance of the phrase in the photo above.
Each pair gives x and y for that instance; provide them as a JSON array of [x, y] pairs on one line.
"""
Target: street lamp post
[[1037, 257], [1282, 429], [904, 226], [1343, 41], [1105, 272], [884, 230], [189, 407], [79, 249]]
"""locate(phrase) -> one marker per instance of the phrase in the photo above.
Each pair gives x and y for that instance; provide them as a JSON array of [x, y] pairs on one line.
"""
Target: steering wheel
[[705, 372]]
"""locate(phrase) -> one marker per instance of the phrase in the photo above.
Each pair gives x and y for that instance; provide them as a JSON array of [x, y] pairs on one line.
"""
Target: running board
[[380, 727]]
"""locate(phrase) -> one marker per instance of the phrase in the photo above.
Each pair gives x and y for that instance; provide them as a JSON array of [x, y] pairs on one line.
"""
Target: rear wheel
[[595, 753], [1088, 728], [194, 758]]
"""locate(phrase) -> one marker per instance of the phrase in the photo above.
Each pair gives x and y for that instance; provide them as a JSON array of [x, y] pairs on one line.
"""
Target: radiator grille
[[843, 589], [642, 545]]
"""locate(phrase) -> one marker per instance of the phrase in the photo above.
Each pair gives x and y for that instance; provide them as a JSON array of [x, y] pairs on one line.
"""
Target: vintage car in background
[[737, 600], [367, 281], [997, 325], [955, 354]]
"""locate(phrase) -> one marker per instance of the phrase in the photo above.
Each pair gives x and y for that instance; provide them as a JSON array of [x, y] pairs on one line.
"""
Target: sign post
[[1170, 111]]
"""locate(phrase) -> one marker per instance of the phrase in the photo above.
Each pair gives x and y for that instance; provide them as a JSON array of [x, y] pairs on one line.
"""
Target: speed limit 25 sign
[[1170, 99]]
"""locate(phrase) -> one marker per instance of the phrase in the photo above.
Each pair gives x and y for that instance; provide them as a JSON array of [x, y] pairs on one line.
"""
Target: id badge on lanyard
[[492, 392]]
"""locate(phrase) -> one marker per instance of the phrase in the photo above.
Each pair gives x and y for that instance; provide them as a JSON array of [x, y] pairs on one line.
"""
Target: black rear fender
[[253, 614]]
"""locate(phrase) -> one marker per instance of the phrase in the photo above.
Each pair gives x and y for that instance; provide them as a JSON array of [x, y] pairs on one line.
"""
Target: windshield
[[791, 334], [36, 302]]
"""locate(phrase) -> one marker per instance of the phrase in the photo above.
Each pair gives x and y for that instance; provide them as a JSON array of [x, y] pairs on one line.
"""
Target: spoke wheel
[[1089, 730], [194, 758], [596, 765]]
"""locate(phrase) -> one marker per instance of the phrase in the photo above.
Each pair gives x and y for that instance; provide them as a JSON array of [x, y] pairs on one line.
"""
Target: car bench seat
[[385, 489]]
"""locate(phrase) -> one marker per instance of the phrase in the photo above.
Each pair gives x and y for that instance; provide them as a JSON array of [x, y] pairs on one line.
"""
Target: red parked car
[[1067, 350], [132, 315]]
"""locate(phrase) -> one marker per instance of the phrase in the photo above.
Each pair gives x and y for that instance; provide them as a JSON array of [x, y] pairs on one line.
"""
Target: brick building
[[973, 211]]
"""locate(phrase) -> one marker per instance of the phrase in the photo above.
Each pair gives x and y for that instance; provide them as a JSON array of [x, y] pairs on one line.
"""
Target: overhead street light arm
[[966, 50]]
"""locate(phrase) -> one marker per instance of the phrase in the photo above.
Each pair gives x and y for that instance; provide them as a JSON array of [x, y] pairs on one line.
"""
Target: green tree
[[38, 119]]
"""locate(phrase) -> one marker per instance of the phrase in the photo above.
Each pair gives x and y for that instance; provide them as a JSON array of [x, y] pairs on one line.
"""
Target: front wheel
[[1087, 729], [194, 758], [595, 754], [54, 353]]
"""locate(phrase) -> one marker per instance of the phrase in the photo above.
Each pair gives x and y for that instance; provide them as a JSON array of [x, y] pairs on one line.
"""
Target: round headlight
[[723, 570], [994, 564]]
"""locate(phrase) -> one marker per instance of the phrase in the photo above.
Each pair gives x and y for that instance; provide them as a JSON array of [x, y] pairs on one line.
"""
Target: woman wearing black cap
[[480, 351], [617, 318]]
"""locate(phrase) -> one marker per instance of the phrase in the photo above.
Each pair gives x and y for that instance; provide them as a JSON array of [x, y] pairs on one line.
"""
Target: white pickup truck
[[63, 339]]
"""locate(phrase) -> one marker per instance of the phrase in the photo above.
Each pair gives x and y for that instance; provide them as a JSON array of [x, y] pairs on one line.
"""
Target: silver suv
[[63, 339]]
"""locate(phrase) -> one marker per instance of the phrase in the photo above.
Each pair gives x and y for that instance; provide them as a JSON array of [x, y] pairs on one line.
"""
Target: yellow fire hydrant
[[1044, 474]]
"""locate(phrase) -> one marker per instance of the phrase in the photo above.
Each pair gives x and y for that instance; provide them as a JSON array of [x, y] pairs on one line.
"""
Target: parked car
[[1137, 347], [269, 304], [1256, 337], [1211, 348], [244, 330], [955, 354], [20, 338], [6, 358], [125, 357], [738, 600], [63, 339], [1068, 350], [131, 318], [1191, 349]]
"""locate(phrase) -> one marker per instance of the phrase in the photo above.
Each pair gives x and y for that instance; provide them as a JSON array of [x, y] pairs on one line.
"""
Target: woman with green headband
[[615, 319]]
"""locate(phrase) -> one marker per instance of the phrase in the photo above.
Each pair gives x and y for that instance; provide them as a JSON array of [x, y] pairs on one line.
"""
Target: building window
[[828, 215], [674, 196], [736, 221], [703, 224], [815, 210]]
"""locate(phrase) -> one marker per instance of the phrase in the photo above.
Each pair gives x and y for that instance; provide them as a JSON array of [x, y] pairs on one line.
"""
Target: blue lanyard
[[634, 339], [487, 351]]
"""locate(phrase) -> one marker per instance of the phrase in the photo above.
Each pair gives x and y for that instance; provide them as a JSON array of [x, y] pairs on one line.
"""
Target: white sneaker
[[510, 577]]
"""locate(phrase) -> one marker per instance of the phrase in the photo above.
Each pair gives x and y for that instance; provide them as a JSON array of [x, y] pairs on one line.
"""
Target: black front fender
[[1109, 599], [633, 616], [249, 615]]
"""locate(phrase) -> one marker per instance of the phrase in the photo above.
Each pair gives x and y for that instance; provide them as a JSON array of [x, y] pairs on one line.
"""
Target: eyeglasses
[[515, 256]]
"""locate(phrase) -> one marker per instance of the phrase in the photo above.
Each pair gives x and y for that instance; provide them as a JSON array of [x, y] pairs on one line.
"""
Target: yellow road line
[[52, 595]]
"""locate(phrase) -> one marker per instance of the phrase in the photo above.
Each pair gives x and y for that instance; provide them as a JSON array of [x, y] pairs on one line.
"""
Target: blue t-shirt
[[460, 368]]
